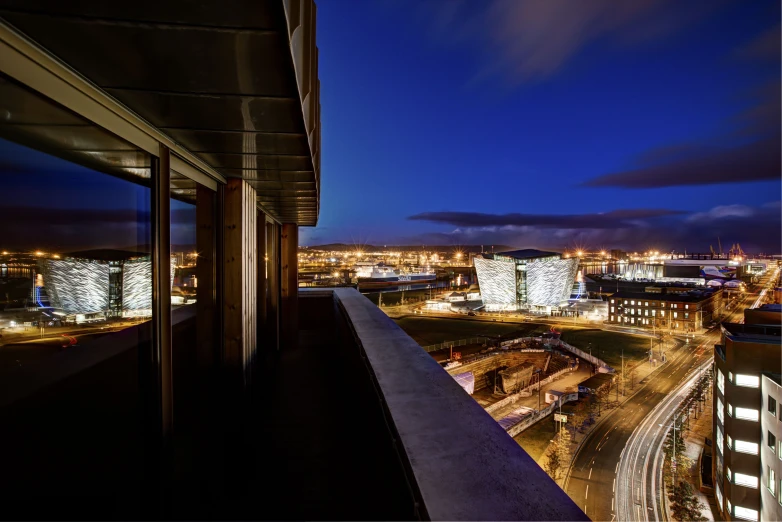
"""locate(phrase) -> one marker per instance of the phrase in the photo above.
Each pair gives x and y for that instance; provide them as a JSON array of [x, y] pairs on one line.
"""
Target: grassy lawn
[[607, 345], [537, 437], [432, 330]]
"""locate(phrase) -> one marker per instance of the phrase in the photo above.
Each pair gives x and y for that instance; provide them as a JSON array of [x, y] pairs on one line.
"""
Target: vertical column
[[273, 282], [240, 300], [262, 282], [155, 374], [289, 286], [206, 275]]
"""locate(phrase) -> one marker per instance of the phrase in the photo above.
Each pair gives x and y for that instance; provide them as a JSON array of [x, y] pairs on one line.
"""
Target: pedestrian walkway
[[694, 441]]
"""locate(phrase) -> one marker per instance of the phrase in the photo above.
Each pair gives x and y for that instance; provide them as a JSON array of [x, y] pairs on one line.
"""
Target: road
[[605, 464]]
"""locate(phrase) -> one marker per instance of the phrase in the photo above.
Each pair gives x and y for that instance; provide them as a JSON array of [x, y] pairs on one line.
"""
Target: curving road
[[616, 472]]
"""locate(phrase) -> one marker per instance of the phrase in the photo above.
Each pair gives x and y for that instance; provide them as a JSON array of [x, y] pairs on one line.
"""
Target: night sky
[[547, 124]]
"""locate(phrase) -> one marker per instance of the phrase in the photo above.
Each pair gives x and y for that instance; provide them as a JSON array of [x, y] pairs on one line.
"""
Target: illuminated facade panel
[[497, 279], [77, 285], [549, 282], [137, 286]]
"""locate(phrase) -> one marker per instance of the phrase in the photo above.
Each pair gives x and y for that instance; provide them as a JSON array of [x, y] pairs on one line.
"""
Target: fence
[[591, 358], [540, 415], [462, 342]]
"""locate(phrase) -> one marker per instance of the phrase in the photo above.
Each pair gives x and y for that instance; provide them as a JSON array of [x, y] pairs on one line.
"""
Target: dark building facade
[[668, 311]]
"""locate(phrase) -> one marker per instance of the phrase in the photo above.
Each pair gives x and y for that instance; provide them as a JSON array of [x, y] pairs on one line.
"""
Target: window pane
[[745, 480], [772, 441], [751, 381], [743, 446], [745, 513], [747, 414], [720, 411], [772, 405], [76, 280]]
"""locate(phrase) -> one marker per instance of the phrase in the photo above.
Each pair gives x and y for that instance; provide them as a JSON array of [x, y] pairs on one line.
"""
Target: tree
[[558, 455], [580, 414], [684, 504]]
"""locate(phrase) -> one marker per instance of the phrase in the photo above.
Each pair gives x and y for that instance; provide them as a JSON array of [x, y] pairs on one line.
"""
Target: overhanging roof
[[235, 85]]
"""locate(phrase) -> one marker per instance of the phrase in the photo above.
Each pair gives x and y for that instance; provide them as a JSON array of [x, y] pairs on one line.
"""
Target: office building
[[746, 421], [681, 311]]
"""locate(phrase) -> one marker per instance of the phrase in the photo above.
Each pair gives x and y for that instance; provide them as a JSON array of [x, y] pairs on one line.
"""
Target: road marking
[[590, 475], [586, 495], [616, 469], [612, 505], [613, 488]]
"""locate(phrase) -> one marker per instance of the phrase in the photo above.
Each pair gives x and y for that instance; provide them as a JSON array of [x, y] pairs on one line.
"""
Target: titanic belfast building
[[524, 279]]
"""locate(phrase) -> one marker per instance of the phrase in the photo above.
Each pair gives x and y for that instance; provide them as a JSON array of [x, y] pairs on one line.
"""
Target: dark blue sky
[[529, 123], [442, 117]]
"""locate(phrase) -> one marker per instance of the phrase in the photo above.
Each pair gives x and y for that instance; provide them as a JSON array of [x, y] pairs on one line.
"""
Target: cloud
[[757, 161], [746, 148], [764, 47], [757, 229], [530, 40], [612, 219]]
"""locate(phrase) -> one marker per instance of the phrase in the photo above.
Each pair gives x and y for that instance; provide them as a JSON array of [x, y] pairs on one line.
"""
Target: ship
[[381, 276]]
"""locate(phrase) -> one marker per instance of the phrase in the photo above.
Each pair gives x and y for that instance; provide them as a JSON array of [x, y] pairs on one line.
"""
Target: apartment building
[[666, 310], [746, 423]]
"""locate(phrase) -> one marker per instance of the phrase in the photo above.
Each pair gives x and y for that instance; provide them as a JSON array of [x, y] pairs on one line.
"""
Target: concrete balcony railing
[[458, 463]]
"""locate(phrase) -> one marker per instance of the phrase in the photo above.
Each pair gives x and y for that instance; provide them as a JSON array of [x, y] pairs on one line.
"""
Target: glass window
[[747, 414], [646, 303], [612, 301], [730, 410], [675, 315], [719, 439], [730, 506], [719, 496], [750, 381], [730, 442], [772, 441], [686, 315], [745, 513], [612, 309], [662, 313], [748, 481], [772, 481], [686, 307], [625, 301], [728, 474], [730, 377], [632, 302], [612, 317], [772, 405], [720, 412], [654, 313], [779, 448], [742, 446]]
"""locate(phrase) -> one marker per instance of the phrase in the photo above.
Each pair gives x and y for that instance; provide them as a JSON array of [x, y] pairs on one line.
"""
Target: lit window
[[729, 475], [632, 320], [772, 481], [632, 311], [720, 412], [719, 496], [675, 315], [772, 405], [745, 513], [686, 307], [662, 313], [719, 439], [654, 313], [625, 301], [646, 303], [612, 301], [730, 506], [730, 377], [730, 410], [772, 441], [720, 381], [686, 315], [750, 381], [632, 302], [779, 449], [747, 414], [612, 309], [612, 317], [747, 481], [743, 446]]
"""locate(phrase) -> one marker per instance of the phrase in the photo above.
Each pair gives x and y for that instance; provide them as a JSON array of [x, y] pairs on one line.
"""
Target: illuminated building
[[524, 278], [120, 287], [747, 409]]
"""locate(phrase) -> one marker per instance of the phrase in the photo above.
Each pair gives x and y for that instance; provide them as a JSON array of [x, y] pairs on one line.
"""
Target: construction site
[[521, 381]]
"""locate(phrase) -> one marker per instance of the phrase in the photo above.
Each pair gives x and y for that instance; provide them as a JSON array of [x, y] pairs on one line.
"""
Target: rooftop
[[689, 297], [761, 333], [527, 253]]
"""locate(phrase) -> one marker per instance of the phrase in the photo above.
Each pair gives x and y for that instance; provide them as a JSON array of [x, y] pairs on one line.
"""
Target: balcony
[[356, 422]]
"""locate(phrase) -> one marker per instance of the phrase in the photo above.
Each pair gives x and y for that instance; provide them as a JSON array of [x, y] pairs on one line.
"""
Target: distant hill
[[409, 248]]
